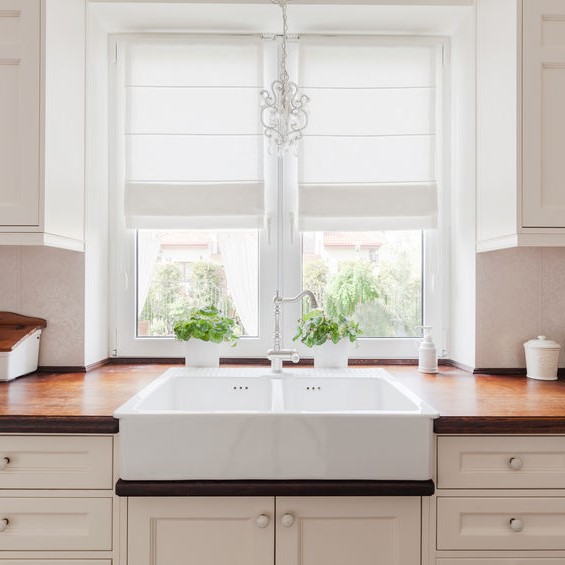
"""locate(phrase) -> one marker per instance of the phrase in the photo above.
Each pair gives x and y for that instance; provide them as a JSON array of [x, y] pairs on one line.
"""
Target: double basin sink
[[235, 424]]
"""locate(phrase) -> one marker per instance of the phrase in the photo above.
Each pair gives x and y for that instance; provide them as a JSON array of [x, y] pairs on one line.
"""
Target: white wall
[[497, 111], [96, 265], [47, 283], [462, 273]]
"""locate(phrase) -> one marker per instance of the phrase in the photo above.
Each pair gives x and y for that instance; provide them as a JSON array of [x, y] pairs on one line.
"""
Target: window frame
[[280, 242]]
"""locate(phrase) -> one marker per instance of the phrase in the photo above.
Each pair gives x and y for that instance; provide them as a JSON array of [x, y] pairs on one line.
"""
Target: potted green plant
[[204, 331], [329, 336]]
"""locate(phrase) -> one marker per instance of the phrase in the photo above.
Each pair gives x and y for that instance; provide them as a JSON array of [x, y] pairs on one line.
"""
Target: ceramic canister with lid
[[542, 358]]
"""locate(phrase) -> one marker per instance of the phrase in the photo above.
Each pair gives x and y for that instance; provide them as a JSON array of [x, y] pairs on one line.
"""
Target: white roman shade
[[368, 157], [193, 145]]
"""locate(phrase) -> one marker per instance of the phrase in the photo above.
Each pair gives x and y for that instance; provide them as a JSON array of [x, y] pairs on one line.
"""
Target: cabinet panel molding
[[56, 524], [334, 531], [55, 562], [500, 523], [544, 114], [56, 462], [19, 112], [501, 462], [500, 561], [207, 531]]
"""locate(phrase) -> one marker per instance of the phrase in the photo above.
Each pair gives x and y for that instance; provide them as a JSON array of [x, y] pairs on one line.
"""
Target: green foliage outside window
[[385, 301], [173, 295]]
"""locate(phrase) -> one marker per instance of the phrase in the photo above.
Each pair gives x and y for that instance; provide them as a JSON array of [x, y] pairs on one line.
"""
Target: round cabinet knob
[[4, 462], [263, 520], [287, 520], [515, 463], [4, 524], [516, 524], [295, 357]]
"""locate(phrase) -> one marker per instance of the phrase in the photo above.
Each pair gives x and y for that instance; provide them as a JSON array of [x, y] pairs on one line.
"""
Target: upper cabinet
[[42, 122], [520, 123], [543, 116]]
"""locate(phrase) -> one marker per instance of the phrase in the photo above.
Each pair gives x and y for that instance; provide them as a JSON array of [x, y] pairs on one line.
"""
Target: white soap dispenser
[[427, 355]]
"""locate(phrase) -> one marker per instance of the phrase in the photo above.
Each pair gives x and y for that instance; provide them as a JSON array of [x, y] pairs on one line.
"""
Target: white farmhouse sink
[[227, 424]]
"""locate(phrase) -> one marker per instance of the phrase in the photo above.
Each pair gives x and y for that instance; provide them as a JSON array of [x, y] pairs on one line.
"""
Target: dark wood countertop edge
[[442, 425], [59, 424], [275, 488], [499, 425]]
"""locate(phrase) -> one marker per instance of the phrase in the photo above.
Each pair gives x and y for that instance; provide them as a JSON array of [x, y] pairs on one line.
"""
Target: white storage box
[[19, 344]]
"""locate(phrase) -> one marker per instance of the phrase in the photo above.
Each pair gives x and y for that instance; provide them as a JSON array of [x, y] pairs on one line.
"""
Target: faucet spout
[[277, 355], [308, 293]]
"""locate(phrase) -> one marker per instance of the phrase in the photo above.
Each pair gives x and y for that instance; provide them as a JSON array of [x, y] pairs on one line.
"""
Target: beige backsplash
[[48, 283], [520, 295]]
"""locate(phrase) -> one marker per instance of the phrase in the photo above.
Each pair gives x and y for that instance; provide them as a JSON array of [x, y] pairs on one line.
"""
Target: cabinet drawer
[[56, 462], [57, 524], [56, 562], [501, 523], [498, 561], [501, 462]]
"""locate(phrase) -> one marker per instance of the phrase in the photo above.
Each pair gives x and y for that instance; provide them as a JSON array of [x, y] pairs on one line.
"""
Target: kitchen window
[[204, 213]]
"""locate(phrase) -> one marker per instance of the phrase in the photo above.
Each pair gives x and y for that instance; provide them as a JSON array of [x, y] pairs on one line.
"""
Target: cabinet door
[[543, 133], [201, 530], [19, 112], [337, 531]]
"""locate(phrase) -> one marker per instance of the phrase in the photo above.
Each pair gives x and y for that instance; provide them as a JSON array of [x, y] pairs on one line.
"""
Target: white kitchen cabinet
[[55, 462], [334, 531], [20, 48], [501, 523], [520, 123], [242, 531], [203, 530], [517, 462], [42, 122], [56, 524], [500, 500], [57, 505]]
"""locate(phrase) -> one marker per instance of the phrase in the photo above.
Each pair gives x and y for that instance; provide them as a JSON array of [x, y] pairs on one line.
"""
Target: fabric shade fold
[[364, 207], [151, 205]]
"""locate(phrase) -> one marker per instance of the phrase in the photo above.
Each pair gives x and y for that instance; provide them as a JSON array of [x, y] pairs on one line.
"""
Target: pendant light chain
[[283, 108], [283, 71]]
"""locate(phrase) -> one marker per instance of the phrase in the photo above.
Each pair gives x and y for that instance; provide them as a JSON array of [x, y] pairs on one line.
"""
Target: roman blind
[[193, 145], [368, 157]]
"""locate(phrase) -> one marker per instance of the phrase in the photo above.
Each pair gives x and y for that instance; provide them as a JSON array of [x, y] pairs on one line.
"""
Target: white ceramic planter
[[200, 353], [331, 355]]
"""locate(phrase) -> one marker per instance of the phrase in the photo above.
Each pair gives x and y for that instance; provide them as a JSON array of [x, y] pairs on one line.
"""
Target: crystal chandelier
[[283, 108]]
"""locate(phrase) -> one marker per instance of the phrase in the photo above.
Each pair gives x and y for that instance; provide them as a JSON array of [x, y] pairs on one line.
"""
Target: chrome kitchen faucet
[[276, 355]]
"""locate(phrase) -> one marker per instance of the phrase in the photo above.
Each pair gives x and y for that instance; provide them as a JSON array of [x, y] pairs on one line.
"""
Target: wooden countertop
[[84, 402]]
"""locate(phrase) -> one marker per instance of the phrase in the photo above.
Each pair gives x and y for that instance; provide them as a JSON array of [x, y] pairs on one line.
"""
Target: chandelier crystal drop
[[283, 107]]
